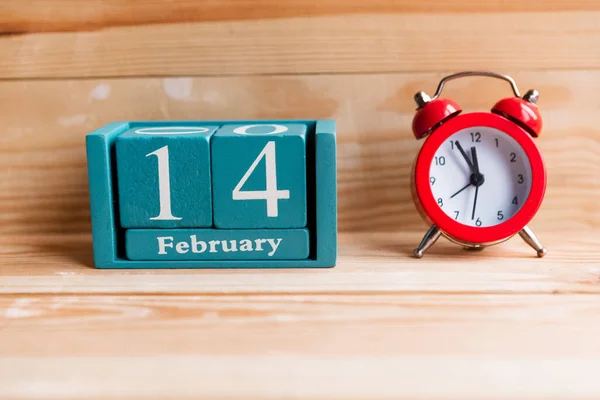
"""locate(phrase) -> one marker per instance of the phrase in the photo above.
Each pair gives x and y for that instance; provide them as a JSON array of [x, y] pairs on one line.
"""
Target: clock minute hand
[[465, 156], [475, 164]]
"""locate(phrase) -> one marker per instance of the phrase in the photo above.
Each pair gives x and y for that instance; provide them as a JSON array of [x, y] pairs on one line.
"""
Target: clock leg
[[432, 235], [529, 237]]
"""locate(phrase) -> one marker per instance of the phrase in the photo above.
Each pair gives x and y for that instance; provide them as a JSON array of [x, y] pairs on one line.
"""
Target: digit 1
[[164, 185], [496, 139]]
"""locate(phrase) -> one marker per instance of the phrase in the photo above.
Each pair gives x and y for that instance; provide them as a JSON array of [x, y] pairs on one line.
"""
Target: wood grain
[[380, 325], [283, 376], [43, 182], [369, 263], [63, 15], [191, 321], [331, 44], [308, 346]]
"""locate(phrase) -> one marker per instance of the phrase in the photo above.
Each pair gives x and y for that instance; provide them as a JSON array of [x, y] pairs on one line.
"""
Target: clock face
[[480, 176]]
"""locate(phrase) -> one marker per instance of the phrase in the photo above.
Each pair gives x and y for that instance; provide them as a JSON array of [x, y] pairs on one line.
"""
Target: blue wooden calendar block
[[217, 244], [307, 240], [259, 176], [164, 176]]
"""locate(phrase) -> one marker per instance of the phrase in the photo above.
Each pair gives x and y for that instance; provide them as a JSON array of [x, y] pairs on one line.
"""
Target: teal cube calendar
[[213, 194]]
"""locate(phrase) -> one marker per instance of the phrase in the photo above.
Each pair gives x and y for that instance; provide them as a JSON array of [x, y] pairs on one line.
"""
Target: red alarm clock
[[479, 178]]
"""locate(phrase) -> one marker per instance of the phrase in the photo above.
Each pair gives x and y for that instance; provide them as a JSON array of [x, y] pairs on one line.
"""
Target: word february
[[216, 244]]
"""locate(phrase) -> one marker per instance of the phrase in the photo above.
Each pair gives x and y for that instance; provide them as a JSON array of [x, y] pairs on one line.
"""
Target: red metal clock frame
[[427, 204]]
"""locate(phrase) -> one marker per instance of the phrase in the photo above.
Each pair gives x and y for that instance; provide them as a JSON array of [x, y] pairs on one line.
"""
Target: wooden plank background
[[499, 324], [43, 184], [363, 43]]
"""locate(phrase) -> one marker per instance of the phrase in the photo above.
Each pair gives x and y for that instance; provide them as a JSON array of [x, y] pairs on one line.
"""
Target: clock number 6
[[272, 195]]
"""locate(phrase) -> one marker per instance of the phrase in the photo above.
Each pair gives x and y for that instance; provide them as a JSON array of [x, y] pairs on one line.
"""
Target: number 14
[[272, 195]]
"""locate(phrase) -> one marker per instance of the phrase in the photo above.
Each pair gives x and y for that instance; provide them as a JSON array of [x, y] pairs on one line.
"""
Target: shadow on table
[[402, 244], [67, 249]]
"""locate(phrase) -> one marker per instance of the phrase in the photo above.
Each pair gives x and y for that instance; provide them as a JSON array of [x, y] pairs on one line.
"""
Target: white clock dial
[[503, 167]]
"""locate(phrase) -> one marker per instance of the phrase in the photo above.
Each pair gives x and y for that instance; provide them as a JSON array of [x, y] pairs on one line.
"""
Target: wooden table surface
[[456, 324], [497, 324]]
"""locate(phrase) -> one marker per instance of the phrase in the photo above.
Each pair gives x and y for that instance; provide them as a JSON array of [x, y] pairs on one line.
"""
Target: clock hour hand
[[465, 156], [463, 188]]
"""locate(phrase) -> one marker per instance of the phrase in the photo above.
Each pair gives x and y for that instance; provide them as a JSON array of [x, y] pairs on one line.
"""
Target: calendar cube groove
[[213, 194]]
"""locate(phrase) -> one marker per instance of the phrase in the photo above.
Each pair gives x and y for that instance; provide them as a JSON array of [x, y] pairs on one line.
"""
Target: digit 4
[[272, 195]]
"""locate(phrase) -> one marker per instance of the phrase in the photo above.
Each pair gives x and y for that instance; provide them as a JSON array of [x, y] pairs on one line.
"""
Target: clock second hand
[[475, 202]]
